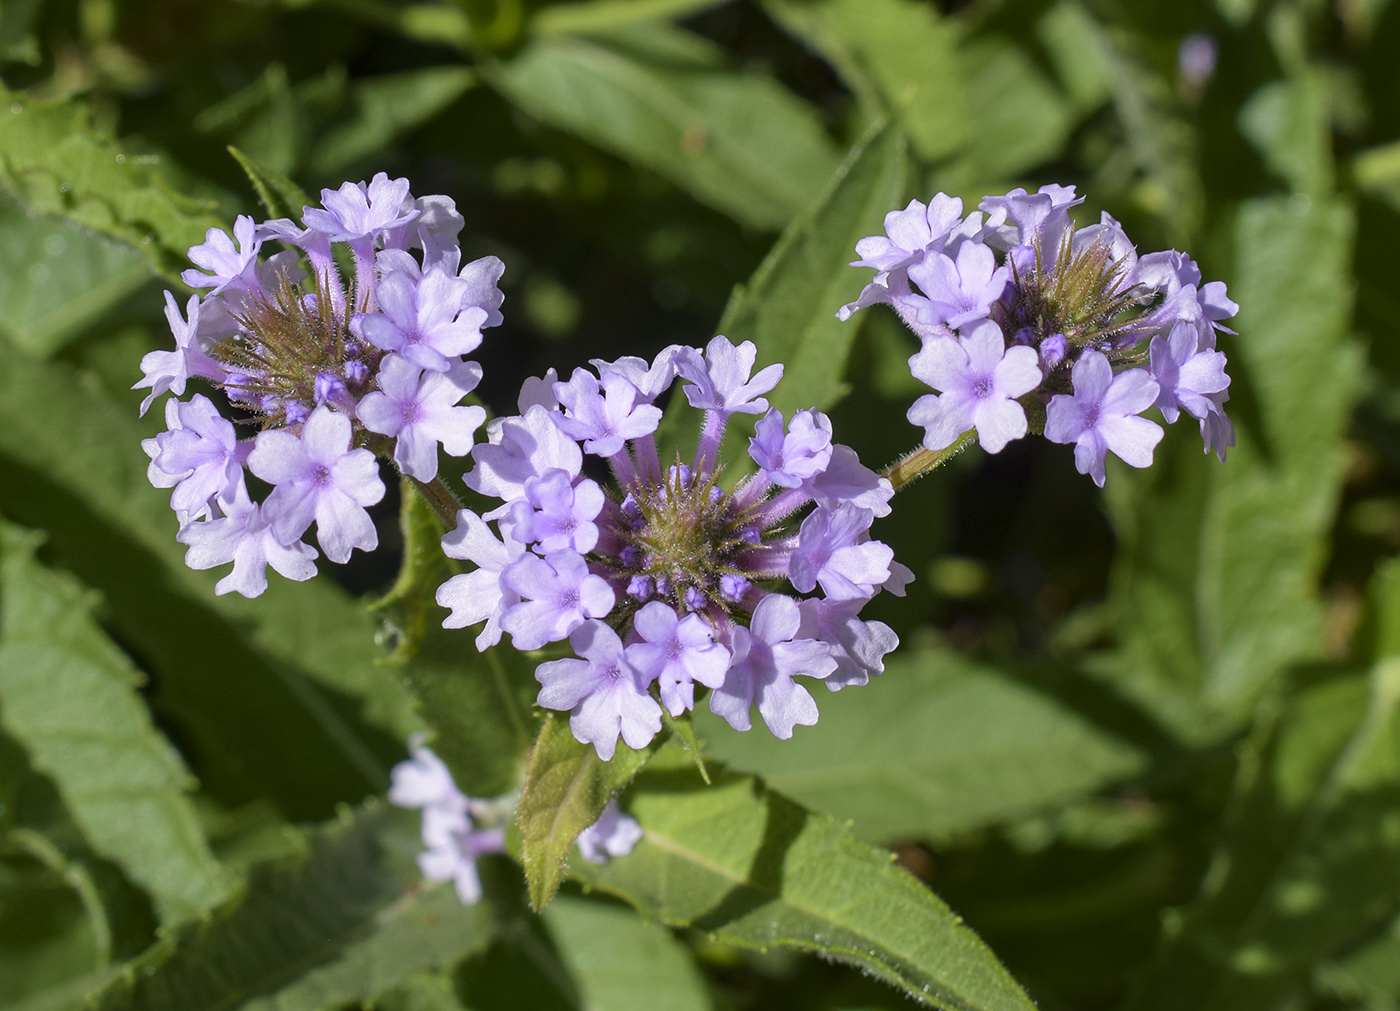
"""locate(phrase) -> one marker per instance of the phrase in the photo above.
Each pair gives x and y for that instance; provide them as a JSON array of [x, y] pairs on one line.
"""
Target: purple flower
[[720, 381], [846, 479], [424, 781], [518, 449], [318, 476], [538, 391], [800, 455], [170, 370], [225, 263], [911, 233], [832, 550], [603, 420], [557, 515], [426, 321], [434, 230], [858, 647], [453, 842], [356, 211], [1101, 416], [482, 278], [979, 377], [650, 380], [558, 595], [1184, 374], [678, 652], [454, 845], [479, 595], [958, 292], [1216, 429], [203, 453], [1195, 59], [612, 835], [1022, 219], [767, 656], [604, 691], [418, 410], [242, 536]]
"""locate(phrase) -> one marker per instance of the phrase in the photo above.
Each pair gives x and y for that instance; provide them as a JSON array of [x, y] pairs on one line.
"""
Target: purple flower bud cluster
[[332, 374], [665, 579], [1029, 322], [450, 832]]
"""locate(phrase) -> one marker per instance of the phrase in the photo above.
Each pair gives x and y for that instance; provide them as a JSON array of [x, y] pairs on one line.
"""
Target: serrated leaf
[[1289, 122], [341, 924], [1021, 118], [749, 867], [52, 158], [56, 279], [661, 98], [907, 52], [620, 962], [281, 197], [384, 107], [265, 685], [788, 308], [566, 788], [935, 746], [1218, 565], [69, 696]]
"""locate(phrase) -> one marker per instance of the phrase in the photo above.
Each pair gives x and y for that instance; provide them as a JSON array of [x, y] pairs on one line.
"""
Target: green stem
[[916, 463], [441, 498]]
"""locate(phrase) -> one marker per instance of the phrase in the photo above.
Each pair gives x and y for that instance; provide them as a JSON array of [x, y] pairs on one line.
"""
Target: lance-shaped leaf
[[69, 695], [788, 308], [341, 924], [999, 750], [662, 98], [280, 196], [566, 788], [748, 866]]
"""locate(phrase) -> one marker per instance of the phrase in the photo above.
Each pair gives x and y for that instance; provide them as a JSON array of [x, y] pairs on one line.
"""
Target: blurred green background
[[1144, 741]]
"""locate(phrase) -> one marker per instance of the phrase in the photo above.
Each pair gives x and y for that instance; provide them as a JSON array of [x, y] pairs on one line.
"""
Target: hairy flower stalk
[[1029, 323], [670, 577], [331, 375]]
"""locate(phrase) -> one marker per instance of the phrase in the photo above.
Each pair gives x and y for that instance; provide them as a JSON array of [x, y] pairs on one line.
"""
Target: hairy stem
[[916, 463], [441, 498]]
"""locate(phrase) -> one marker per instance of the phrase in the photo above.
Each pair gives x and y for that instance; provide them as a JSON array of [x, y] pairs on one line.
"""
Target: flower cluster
[[1027, 321], [668, 579], [331, 374], [453, 840]]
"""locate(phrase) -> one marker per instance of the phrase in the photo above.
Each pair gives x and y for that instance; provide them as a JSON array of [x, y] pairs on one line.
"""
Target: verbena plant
[[641, 367]]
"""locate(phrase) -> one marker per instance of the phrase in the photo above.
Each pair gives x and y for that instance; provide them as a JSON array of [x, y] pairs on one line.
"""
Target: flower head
[[1012, 299], [670, 582], [330, 376]]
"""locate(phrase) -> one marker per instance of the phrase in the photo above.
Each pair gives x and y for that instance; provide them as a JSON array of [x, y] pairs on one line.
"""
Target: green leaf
[[383, 108], [479, 705], [342, 923], [593, 16], [57, 279], [1215, 590], [1369, 976], [935, 746], [1021, 118], [749, 867], [68, 694], [1290, 123], [661, 97], [566, 788], [281, 197], [291, 680], [788, 308], [1311, 859], [52, 158], [1377, 172], [905, 51], [620, 962]]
